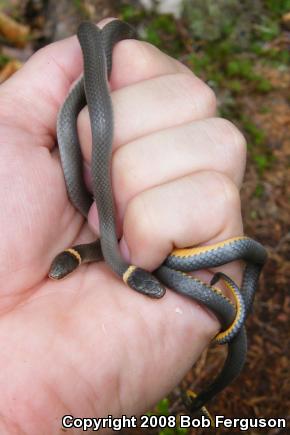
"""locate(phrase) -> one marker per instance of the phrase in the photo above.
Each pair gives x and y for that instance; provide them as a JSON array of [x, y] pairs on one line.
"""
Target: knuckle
[[138, 221], [208, 99], [144, 57], [226, 192], [232, 136], [123, 170], [198, 94]]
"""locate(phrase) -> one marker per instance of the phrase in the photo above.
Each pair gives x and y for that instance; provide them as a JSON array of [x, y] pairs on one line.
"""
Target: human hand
[[85, 345]]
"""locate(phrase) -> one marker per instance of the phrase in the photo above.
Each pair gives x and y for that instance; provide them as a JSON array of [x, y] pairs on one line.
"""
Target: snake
[[92, 89]]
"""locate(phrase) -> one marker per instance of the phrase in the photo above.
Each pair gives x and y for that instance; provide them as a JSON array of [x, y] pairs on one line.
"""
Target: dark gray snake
[[92, 89]]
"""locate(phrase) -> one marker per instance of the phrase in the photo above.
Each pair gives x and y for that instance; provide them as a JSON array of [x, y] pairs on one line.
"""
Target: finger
[[156, 340], [151, 105], [41, 85], [208, 144], [202, 208], [135, 61], [39, 88]]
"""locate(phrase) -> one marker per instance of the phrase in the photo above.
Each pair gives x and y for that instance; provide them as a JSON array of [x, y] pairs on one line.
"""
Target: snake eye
[[63, 264]]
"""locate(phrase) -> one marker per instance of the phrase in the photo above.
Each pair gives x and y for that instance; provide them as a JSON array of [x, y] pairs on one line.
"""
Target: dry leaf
[[10, 68], [14, 32]]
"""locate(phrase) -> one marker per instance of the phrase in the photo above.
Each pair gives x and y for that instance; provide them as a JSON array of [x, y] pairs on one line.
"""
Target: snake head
[[144, 282], [63, 264]]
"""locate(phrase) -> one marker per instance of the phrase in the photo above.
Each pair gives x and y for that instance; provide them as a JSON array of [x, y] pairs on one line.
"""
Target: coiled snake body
[[92, 89]]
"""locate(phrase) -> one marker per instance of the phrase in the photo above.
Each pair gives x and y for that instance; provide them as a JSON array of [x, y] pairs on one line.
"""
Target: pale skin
[[88, 345]]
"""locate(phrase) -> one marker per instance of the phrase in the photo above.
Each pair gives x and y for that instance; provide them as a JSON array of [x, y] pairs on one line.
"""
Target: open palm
[[87, 345]]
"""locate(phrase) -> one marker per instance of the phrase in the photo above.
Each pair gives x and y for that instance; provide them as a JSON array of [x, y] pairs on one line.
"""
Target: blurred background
[[241, 49]]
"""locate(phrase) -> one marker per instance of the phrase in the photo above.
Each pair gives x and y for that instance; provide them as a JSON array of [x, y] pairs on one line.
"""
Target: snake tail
[[226, 312], [230, 371], [188, 397]]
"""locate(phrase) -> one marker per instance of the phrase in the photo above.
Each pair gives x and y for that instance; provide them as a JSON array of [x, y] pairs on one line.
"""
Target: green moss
[[263, 162], [257, 47], [257, 136], [77, 4], [264, 86], [233, 68], [153, 37], [166, 23], [259, 191], [283, 56], [128, 12], [280, 56], [264, 109], [161, 30], [253, 215], [199, 62], [222, 49], [235, 86], [268, 29], [163, 407], [81, 8], [278, 7], [216, 77], [242, 68], [3, 60]]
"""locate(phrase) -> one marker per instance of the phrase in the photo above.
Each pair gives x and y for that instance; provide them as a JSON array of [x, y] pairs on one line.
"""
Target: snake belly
[[92, 89]]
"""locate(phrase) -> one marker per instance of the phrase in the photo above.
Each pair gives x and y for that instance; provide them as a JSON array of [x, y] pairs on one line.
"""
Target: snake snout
[[146, 283], [63, 264]]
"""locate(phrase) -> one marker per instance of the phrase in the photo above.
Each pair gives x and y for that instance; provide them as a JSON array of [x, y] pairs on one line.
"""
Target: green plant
[[199, 62], [3, 60], [161, 30], [264, 109], [263, 162], [235, 86], [259, 191], [81, 8], [278, 7], [162, 408], [127, 12], [242, 68], [257, 136], [263, 85], [268, 29]]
